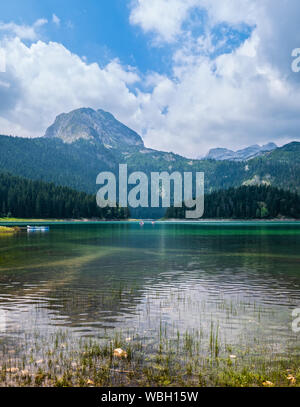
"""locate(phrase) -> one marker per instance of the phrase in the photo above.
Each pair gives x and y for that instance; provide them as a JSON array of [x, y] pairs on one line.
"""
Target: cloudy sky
[[188, 75]]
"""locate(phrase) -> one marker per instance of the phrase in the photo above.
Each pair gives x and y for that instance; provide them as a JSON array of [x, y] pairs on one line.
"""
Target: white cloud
[[23, 31], [237, 103], [47, 79], [163, 17], [55, 19], [231, 99]]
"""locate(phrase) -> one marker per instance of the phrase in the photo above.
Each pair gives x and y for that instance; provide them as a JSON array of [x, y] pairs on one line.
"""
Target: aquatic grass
[[67, 361]]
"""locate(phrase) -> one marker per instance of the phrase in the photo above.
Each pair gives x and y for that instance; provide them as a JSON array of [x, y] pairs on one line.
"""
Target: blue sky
[[101, 31], [98, 30], [188, 75]]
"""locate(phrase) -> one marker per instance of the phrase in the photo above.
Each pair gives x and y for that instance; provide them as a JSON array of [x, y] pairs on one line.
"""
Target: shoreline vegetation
[[9, 222], [37, 201], [246, 202], [131, 361], [24, 199], [27, 199], [9, 230]]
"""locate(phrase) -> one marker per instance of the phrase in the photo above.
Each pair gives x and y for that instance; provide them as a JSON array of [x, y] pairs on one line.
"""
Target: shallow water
[[239, 279]]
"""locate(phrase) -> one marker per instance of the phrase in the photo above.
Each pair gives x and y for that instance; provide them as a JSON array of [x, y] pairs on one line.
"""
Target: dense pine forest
[[23, 198], [77, 165], [247, 202]]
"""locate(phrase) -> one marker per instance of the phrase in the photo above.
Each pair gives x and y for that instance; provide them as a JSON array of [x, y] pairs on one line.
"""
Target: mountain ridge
[[77, 163], [94, 125], [245, 154]]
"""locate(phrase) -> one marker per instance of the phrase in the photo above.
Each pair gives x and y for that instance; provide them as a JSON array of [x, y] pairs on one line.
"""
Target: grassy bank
[[34, 220], [130, 361], [8, 230], [29, 220]]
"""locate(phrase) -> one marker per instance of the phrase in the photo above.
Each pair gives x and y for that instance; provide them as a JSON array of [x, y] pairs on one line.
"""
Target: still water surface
[[94, 280]]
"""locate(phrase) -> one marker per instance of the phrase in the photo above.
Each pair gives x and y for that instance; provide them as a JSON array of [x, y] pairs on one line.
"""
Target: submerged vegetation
[[133, 361]]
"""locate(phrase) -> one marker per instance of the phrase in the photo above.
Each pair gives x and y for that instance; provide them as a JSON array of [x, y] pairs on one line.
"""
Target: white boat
[[38, 228]]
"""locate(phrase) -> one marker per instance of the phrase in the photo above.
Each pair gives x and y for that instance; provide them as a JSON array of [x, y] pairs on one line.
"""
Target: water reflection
[[96, 279]]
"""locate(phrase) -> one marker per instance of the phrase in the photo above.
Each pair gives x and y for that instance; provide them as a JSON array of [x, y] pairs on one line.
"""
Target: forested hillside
[[77, 165], [24, 198], [247, 202], [72, 165], [83, 143]]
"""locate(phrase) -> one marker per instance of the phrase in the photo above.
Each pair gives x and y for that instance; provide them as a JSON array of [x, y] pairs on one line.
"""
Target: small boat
[[142, 223], [153, 223], [38, 228]]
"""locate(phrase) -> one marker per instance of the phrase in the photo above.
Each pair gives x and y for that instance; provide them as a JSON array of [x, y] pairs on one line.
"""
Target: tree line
[[246, 202], [24, 198]]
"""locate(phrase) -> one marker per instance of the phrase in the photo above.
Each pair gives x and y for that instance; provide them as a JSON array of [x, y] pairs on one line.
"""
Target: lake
[[219, 290]]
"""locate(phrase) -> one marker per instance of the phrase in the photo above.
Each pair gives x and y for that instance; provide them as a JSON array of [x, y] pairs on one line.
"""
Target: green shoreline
[[30, 222], [14, 221]]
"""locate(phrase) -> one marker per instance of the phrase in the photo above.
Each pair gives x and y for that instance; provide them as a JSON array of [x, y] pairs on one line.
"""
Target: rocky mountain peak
[[93, 125]]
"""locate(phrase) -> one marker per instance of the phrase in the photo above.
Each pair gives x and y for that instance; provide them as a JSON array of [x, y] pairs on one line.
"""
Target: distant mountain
[[221, 154], [85, 142], [95, 126]]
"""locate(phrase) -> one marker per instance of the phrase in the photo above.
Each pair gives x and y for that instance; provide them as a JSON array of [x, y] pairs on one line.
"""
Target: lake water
[[241, 279]]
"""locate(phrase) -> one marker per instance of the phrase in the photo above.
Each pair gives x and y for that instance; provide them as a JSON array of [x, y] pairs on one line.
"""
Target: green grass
[[28, 220], [64, 362], [9, 230]]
